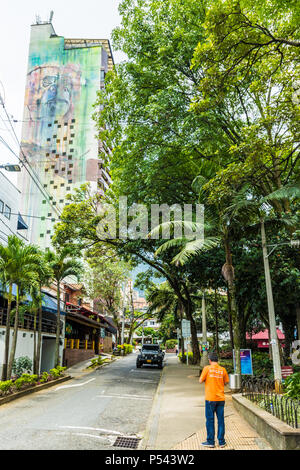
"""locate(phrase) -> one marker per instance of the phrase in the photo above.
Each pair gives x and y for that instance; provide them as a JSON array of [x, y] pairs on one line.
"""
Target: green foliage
[[57, 371], [25, 379], [5, 386], [44, 377], [292, 386], [171, 343], [98, 361], [22, 364], [183, 358]]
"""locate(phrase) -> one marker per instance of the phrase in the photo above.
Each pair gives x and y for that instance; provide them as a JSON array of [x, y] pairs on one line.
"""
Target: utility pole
[[204, 358], [273, 340]]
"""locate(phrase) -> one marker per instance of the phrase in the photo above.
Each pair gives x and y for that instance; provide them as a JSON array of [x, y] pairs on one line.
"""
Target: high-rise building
[[59, 144]]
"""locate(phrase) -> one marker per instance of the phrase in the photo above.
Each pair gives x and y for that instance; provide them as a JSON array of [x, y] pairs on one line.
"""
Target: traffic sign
[[186, 328]]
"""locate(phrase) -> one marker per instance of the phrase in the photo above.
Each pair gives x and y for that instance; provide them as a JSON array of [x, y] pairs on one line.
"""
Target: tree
[[63, 264], [104, 279], [22, 272]]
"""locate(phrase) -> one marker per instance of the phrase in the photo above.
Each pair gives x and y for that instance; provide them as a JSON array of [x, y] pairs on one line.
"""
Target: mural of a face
[[51, 92]]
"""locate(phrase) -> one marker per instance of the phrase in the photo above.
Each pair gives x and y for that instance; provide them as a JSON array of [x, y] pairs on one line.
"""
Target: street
[[87, 413]]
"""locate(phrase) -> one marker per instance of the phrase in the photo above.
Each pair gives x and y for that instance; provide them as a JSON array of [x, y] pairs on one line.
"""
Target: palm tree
[[17, 263], [62, 264], [23, 265]]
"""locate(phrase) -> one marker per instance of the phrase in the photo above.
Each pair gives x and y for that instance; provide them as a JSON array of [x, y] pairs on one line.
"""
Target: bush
[[292, 386], [127, 348], [57, 371], [98, 361], [44, 377], [183, 359], [171, 343], [25, 379], [22, 364], [5, 386]]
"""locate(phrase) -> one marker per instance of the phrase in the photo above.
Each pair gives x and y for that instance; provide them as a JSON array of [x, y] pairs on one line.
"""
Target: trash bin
[[234, 382]]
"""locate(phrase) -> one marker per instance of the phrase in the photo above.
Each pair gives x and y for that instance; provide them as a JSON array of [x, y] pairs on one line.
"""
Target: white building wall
[[9, 202], [25, 347]]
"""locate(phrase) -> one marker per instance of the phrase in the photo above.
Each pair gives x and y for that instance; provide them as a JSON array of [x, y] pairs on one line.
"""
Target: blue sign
[[246, 362]]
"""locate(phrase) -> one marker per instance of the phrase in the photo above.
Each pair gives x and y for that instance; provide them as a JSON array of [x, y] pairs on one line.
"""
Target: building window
[[73, 120], [41, 235], [1, 207], [69, 181], [7, 212], [48, 231]]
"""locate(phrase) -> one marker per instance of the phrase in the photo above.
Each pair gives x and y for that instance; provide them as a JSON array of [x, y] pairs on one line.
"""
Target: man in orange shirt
[[215, 377]]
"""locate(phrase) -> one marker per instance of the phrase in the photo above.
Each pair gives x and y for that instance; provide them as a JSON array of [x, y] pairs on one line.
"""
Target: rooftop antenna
[[51, 16]]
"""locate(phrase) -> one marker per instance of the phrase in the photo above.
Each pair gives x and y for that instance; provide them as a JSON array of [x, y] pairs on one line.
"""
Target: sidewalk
[[177, 420]]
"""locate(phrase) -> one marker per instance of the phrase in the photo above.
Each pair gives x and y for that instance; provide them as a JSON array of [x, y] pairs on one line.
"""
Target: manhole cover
[[129, 442]]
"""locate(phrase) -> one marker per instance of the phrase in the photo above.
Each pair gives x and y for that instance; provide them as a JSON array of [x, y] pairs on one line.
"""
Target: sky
[[71, 19]]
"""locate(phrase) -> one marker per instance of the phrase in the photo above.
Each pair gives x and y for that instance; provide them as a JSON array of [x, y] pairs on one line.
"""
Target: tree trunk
[[230, 320], [7, 335], [57, 362], [39, 342], [195, 343], [228, 273], [34, 341], [298, 320], [14, 341], [217, 321]]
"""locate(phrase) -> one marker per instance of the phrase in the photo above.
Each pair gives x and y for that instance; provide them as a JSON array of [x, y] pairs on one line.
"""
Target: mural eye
[[49, 80]]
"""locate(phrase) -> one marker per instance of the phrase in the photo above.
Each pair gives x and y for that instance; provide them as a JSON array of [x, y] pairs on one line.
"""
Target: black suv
[[150, 354]]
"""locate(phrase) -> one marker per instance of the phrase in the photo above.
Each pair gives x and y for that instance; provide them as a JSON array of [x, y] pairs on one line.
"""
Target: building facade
[[58, 134], [11, 221]]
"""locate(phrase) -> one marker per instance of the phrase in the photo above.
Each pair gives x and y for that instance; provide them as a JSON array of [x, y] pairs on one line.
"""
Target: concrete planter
[[35, 388], [280, 435]]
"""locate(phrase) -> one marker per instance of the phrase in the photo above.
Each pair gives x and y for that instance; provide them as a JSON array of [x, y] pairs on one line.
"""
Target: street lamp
[[10, 167]]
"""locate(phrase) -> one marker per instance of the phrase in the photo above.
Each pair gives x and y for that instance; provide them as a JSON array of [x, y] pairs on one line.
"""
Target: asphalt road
[[87, 413]]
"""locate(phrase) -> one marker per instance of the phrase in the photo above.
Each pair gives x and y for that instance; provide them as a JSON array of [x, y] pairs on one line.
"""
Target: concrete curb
[[150, 432], [280, 435], [34, 389]]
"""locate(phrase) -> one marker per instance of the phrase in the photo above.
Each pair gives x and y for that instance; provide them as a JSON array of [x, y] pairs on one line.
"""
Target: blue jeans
[[212, 407]]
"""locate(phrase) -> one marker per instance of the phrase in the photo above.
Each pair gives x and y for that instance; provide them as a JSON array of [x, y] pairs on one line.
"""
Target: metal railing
[[26, 322], [261, 391], [81, 344]]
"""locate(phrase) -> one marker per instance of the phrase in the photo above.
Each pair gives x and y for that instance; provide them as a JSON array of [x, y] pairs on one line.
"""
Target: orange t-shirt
[[215, 378]]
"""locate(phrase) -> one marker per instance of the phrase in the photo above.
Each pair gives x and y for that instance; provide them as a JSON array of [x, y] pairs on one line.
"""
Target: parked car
[[150, 354]]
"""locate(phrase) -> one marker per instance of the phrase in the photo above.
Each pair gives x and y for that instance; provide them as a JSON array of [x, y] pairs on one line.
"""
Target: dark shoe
[[223, 445], [207, 444]]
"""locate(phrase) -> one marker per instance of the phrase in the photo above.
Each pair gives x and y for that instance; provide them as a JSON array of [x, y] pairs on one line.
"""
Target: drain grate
[[128, 442]]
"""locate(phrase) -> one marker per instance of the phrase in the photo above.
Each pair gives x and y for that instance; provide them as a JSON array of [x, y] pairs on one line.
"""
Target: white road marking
[[75, 385], [134, 397], [104, 431]]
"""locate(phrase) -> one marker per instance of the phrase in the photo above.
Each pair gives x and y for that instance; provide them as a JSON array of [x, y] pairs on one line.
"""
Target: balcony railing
[[26, 322]]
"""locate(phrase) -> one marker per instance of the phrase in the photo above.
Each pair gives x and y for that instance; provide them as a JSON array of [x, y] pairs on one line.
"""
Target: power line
[[25, 161]]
